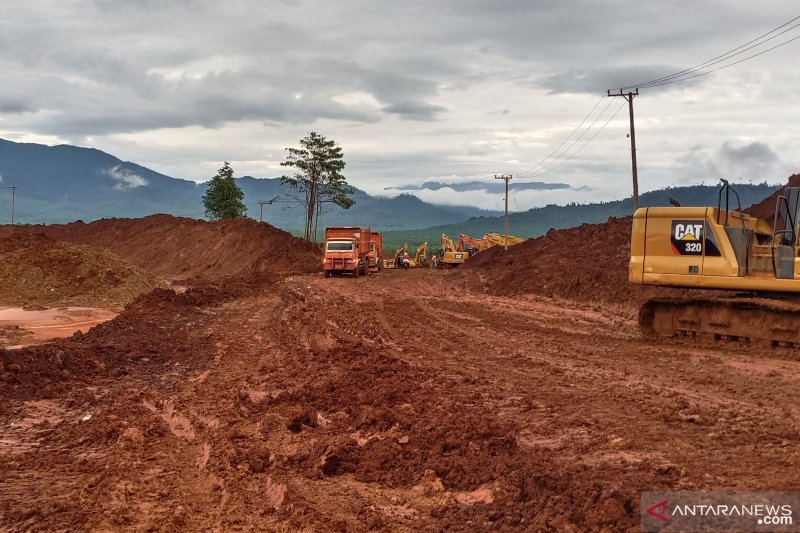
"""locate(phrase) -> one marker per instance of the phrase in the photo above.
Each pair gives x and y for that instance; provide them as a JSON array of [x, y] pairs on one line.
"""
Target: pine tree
[[318, 178], [223, 198]]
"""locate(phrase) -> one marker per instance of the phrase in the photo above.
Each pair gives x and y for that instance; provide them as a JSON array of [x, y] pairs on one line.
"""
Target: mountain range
[[538, 221], [65, 183]]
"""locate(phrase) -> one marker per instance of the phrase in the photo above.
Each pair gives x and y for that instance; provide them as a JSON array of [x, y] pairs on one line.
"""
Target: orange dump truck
[[375, 251], [346, 250]]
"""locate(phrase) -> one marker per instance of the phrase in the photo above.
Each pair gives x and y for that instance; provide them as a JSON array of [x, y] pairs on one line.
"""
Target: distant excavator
[[395, 261], [721, 248], [452, 256], [421, 256], [471, 244], [495, 239]]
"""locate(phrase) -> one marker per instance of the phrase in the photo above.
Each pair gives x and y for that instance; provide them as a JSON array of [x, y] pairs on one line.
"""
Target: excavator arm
[[422, 254], [495, 239], [447, 244], [476, 244]]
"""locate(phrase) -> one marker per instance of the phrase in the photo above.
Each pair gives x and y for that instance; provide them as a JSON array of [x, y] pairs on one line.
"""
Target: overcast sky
[[413, 91]]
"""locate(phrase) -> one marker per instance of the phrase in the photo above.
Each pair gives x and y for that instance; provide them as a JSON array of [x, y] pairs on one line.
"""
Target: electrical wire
[[541, 163], [559, 156], [584, 144], [753, 43], [553, 163], [726, 66]]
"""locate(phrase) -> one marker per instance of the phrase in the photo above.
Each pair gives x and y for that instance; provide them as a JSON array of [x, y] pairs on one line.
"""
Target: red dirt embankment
[[184, 248], [765, 209], [586, 263]]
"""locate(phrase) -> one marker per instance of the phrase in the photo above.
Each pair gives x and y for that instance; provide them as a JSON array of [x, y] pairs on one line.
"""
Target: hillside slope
[[538, 221], [60, 184]]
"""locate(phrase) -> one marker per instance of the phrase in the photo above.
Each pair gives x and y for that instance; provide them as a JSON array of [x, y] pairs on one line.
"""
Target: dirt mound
[[184, 248], [765, 209], [36, 270], [156, 332], [587, 263]]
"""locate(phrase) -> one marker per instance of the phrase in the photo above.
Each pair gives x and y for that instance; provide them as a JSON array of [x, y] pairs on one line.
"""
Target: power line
[[753, 43], [726, 66], [559, 157], [584, 144], [565, 139], [552, 165]]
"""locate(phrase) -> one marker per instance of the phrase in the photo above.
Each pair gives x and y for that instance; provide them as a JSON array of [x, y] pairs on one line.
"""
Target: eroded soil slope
[[588, 263], [765, 210]]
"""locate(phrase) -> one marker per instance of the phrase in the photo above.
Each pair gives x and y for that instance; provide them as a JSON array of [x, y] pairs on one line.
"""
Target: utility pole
[[505, 224], [629, 97], [13, 200], [261, 204]]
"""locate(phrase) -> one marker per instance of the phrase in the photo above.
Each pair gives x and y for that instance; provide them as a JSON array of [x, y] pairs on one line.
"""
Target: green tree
[[223, 198], [318, 178]]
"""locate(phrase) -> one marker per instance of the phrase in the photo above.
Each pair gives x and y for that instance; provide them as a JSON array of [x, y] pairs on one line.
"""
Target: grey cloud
[[751, 161], [16, 106], [471, 73], [415, 110], [597, 81], [404, 55]]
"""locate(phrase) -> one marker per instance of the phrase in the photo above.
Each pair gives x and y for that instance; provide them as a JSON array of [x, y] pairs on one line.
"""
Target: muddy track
[[400, 402]]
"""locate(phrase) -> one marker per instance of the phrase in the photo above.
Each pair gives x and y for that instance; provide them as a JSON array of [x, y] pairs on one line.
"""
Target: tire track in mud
[[400, 402]]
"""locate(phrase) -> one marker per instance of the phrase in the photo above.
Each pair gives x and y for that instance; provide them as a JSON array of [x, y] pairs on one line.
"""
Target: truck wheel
[[327, 273], [366, 268]]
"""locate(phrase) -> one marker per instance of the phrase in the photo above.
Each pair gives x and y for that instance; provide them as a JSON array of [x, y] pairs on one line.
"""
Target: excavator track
[[771, 322]]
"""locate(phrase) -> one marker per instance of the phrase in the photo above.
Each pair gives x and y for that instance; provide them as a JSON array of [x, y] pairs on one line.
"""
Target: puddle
[[20, 327]]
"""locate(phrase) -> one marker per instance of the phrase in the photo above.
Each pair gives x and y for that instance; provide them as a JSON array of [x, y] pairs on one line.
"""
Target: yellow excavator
[[721, 248], [495, 239], [452, 256], [395, 261], [421, 256]]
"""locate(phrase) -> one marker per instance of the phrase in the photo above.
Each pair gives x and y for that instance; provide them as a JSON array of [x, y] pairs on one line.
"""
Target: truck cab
[[346, 250]]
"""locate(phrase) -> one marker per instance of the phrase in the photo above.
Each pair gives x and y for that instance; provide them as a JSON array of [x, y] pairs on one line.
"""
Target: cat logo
[[688, 231], [691, 237], [687, 237]]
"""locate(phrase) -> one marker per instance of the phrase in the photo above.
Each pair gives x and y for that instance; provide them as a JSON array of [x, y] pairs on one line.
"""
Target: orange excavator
[[471, 244]]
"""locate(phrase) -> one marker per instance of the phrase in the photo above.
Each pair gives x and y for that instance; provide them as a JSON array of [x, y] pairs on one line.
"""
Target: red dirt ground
[[184, 248], [36, 270], [588, 263], [399, 401]]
